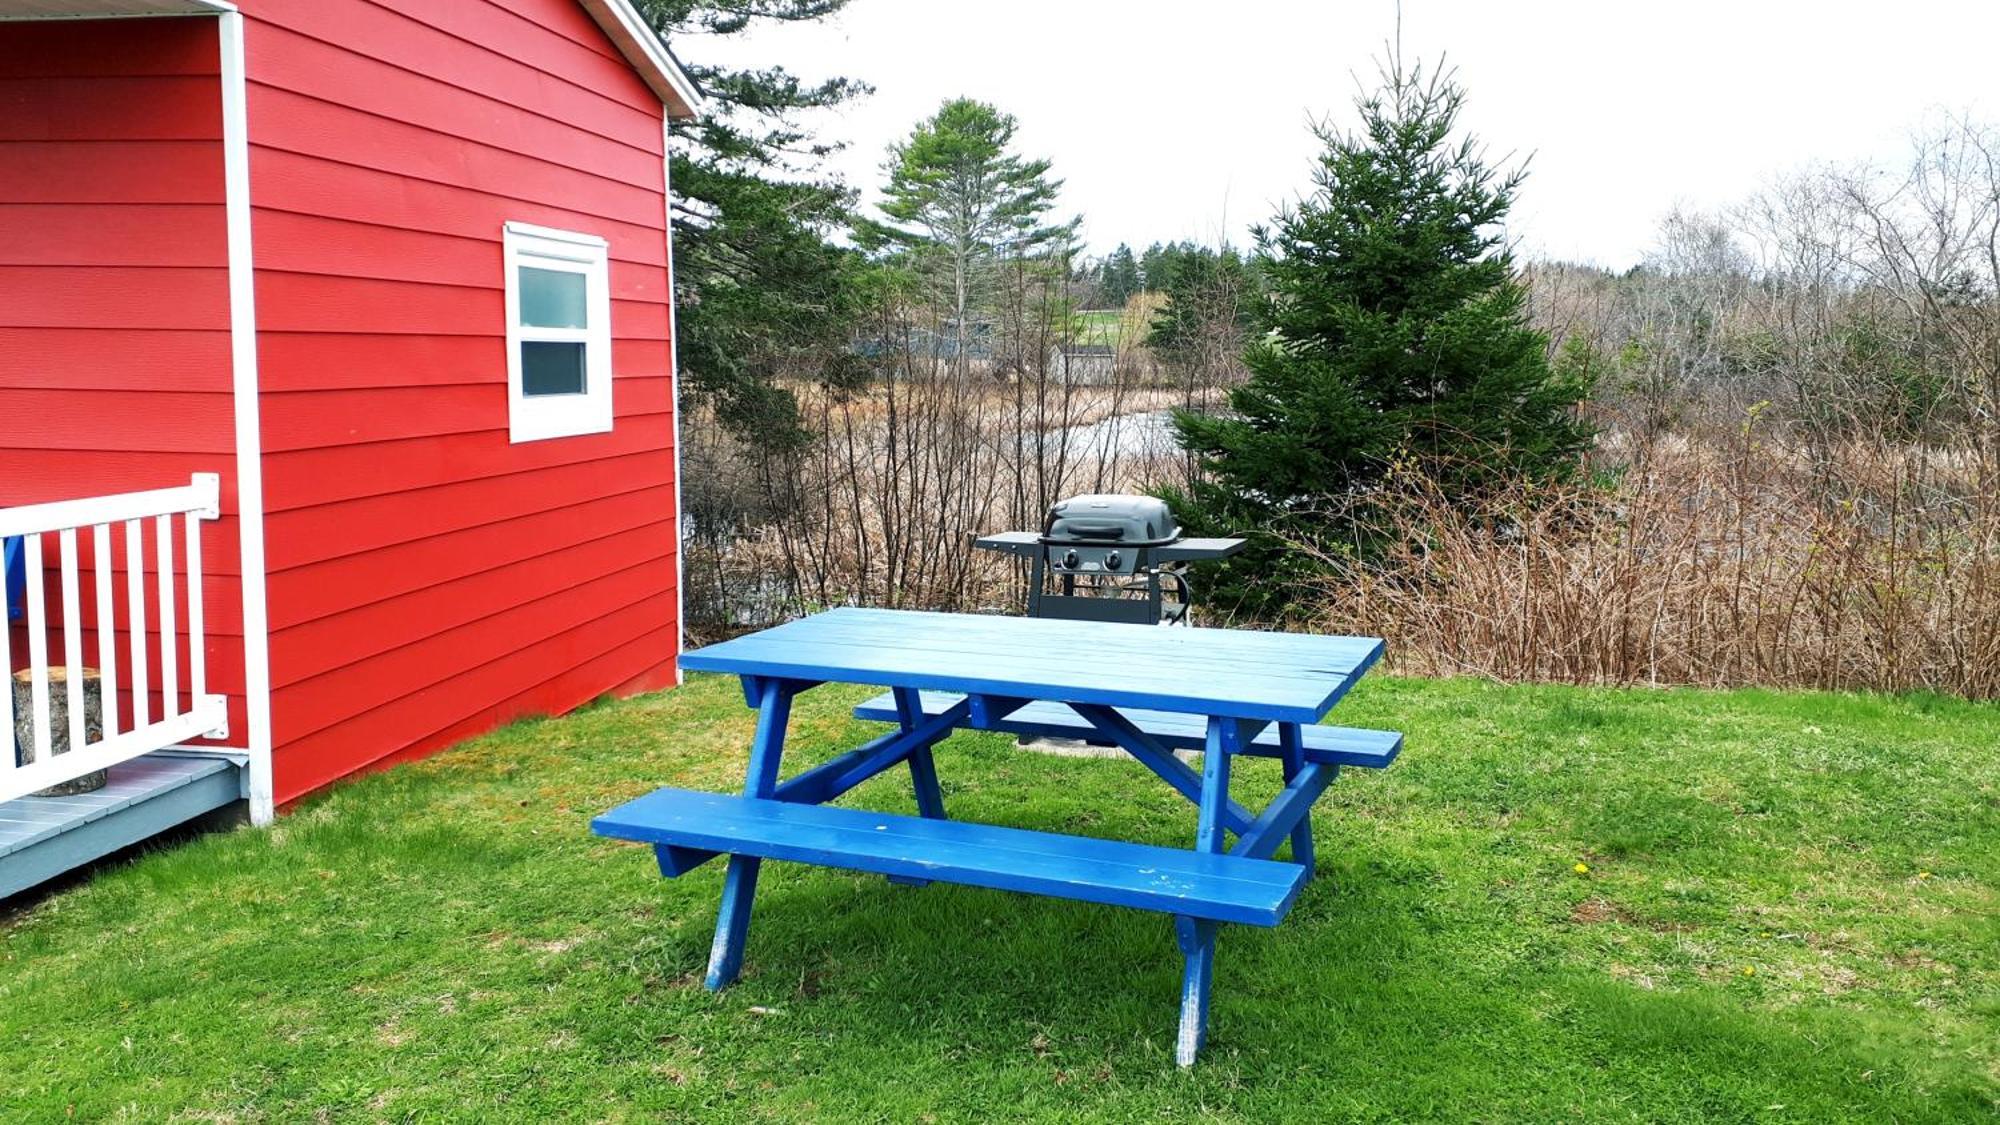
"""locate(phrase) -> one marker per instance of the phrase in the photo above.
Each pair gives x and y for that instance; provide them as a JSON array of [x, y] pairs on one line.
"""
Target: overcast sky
[[1170, 119]]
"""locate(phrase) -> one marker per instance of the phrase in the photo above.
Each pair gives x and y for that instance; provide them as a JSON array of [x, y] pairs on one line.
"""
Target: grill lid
[[1134, 521]]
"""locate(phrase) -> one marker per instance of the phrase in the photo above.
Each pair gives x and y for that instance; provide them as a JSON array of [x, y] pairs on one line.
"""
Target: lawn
[[1561, 904], [1100, 326]]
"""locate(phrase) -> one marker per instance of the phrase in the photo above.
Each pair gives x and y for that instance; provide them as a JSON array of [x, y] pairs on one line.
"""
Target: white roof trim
[[108, 9], [642, 48]]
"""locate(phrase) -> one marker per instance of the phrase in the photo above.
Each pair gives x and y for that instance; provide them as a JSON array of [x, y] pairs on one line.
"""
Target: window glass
[[551, 368], [553, 298]]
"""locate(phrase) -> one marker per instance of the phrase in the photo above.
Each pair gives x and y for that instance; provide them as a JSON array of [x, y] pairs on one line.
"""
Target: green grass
[[1100, 326], [1789, 915]]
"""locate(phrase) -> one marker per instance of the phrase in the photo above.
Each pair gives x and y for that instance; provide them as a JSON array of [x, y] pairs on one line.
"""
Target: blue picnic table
[[1148, 690]]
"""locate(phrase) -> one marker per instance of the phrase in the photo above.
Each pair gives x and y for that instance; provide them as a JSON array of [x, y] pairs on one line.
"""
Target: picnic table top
[[1234, 673]]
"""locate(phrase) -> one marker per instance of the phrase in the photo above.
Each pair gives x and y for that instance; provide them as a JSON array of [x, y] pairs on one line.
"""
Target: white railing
[[204, 716]]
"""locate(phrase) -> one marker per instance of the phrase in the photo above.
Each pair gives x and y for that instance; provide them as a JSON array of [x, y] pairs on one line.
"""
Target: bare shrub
[[1722, 561]]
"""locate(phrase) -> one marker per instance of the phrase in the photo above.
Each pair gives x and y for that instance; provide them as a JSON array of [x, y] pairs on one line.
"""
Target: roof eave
[[642, 48]]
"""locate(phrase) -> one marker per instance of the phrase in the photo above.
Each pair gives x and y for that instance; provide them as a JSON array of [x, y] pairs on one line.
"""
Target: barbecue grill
[[1109, 558]]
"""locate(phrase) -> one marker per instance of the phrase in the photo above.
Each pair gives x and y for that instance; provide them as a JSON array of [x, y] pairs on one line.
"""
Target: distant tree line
[[1121, 275]]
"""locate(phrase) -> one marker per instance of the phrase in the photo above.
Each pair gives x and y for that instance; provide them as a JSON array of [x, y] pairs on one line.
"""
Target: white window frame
[[539, 417]]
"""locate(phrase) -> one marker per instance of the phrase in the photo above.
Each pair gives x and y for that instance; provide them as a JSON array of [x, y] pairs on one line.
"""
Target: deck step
[[1223, 888], [1339, 746], [43, 837]]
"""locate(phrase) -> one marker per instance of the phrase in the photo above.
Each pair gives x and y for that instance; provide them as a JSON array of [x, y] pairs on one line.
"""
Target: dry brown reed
[[1726, 561]]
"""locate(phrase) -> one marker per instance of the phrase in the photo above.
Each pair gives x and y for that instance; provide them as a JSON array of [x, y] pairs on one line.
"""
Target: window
[[558, 333]]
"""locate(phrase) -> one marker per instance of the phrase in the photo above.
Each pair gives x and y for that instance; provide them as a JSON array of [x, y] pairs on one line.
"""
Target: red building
[[398, 273]]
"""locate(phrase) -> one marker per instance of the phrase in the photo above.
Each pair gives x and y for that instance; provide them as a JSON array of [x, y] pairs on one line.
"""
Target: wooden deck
[[42, 837]]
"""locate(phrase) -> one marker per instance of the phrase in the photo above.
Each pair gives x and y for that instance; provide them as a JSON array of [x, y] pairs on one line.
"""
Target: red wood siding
[[114, 319], [428, 579]]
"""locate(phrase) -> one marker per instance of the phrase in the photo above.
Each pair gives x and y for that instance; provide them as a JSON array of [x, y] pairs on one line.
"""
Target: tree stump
[[93, 725]]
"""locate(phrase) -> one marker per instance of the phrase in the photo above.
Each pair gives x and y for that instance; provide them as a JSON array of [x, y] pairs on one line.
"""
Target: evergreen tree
[[760, 286], [1156, 266], [1210, 296], [1118, 277], [1396, 330], [959, 200]]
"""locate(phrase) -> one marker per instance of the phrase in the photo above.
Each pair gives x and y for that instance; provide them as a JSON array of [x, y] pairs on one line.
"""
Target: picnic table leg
[[923, 768], [923, 771], [739, 884], [1196, 936], [1292, 741]]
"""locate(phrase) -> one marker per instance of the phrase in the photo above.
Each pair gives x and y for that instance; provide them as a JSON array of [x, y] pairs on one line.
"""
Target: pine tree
[[1396, 330], [959, 200]]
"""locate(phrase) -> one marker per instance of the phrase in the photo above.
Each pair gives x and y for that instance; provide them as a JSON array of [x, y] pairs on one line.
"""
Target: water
[[1128, 435]]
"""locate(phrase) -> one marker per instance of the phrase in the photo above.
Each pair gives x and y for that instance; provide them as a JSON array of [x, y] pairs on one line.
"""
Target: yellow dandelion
[[1923, 874], [1749, 970], [1581, 868]]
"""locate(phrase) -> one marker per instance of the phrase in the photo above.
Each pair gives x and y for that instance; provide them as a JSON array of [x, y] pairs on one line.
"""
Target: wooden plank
[[102, 571], [311, 591], [111, 172], [32, 864], [336, 74], [73, 682], [377, 626], [90, 420], [110, 234], [296, 420], [307, 478], [1285, 812], [129, 783], [314, 535], [547, 51], [524, 680], [306, 302], [392, 37], [168, 612], [1241, 674], [1339, 746], [1128, 736], [215, 590], [346, 248], [111, 107], [114, 296], [304, 125], [37, 476], [135, 603], [310, 184], [430, 662], [315, 361], [566, 20], [1218, 887]]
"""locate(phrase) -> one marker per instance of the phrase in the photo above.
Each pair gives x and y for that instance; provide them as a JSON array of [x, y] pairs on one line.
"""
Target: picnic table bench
[[1147, 690]]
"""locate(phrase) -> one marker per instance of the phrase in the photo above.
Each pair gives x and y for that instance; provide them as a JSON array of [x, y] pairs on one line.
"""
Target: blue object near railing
[[13, 578]]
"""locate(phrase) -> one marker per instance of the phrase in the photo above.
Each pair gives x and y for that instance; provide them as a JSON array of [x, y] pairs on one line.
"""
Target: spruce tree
[[762, 287], [1118, 277], [1395, 330]]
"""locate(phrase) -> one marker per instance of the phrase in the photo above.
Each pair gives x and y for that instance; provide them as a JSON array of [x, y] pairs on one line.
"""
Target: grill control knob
[[1069, 560], [1111, 561]]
